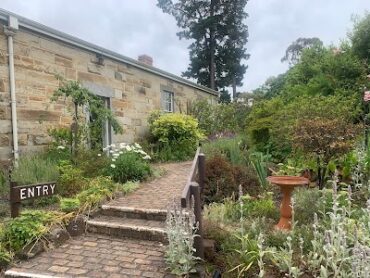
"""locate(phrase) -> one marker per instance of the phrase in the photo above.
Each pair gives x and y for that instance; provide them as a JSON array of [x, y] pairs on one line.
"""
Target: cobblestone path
[[126, 240]]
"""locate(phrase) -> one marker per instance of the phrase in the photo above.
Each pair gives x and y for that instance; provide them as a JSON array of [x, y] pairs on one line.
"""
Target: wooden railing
[[192, 192]]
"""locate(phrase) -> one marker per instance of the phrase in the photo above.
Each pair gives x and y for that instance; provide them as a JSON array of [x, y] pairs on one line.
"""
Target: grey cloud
[[136, 27]]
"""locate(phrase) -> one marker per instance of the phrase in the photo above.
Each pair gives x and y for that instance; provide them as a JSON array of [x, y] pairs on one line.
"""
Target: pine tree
[[219, 33]]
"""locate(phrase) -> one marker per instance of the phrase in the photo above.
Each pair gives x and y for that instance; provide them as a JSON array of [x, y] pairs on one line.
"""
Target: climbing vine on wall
[[84, 100]]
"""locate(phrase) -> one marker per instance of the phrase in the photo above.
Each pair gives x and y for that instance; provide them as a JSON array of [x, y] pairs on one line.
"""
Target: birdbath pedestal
[[287, 185]]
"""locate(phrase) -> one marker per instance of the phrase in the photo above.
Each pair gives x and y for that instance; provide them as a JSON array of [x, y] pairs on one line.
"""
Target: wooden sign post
[[19, 193]]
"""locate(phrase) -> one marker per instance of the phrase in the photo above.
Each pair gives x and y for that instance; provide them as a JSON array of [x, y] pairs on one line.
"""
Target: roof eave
[[55, 34]]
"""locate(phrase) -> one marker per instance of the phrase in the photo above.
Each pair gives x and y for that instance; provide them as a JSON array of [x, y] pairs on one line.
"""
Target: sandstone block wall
[[134, 93]]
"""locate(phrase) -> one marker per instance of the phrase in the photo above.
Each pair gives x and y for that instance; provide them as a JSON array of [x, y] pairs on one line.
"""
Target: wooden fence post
[[202, 170], [14, 201], [198, 241]]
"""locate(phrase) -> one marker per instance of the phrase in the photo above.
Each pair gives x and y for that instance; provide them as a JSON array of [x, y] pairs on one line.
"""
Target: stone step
[[136, 213], [128, 228]]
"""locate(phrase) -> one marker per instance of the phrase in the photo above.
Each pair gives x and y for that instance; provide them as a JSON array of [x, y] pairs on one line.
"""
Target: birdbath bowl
[[287, 185]]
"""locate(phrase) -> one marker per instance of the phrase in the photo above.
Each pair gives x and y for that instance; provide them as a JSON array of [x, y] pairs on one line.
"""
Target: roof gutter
[[55, 34]]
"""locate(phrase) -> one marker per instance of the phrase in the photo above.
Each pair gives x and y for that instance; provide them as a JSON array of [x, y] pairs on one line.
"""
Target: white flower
[[137, 146], [113, 166], [128, 148], [113, 159], [111, 151], [116, 155], [122, 145], [146, 157], [113, 145], [99, 154], [61, 147], [121, 152]]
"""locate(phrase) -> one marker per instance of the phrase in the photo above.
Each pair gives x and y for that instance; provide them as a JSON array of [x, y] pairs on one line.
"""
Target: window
[[167, 101]]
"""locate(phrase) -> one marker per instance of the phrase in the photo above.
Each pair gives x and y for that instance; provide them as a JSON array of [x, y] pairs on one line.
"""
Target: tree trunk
[[212, 70], [234, 88]]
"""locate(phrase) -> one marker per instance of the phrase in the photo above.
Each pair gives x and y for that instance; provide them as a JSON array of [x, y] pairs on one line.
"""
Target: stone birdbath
[[287, 185]]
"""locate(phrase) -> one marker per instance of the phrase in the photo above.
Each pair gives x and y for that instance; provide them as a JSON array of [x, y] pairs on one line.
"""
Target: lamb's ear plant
[[181, 232]]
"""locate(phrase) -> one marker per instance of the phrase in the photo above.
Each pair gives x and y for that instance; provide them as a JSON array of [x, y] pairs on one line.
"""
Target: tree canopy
[[219, 34], [323, 82]]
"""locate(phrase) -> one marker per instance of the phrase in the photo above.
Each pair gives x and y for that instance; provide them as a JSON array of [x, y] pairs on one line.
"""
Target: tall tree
[[219, 35], [294, 51], [360, 37], [232, 51]]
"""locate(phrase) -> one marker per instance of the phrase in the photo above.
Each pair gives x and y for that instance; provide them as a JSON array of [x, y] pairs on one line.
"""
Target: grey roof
[[38, 28]]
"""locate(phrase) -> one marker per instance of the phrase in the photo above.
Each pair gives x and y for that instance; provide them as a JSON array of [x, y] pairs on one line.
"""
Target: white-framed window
[[167, 101]]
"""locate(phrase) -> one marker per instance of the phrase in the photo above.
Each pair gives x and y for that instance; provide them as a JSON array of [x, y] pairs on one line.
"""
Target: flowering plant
[[128, 162]]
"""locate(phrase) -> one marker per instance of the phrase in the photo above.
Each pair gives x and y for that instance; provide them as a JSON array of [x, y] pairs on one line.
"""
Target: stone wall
[[134, 92]]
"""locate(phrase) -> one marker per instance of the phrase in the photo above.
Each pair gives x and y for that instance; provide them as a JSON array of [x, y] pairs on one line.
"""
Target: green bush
[[5, 256], [91, 162], [222, 180], [234, 149], [176, 135], [129, 166], [69, 204], [70, 181], [35, 168], [28, 227], [259, 207], [219, 118], [4, 186]]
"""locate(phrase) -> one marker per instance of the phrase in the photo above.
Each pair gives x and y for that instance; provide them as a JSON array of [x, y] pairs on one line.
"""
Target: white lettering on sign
[[23, 193], [52, 186], [37, 191], [31, 192]]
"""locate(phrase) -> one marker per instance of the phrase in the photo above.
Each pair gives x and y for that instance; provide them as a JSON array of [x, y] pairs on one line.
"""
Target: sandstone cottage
[[31, 55]]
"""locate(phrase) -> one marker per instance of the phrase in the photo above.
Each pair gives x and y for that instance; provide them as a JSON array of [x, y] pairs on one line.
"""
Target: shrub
[[100, 189], [234, 149], [253, 208], [129, 163], [91, 162], [28, 227], [306, 204], [128, 187], [5, 256], [222, 180], [70, 181], [69, 204], [176, 135], [259, 207], [35, 168], [220, 118], [4, 186]]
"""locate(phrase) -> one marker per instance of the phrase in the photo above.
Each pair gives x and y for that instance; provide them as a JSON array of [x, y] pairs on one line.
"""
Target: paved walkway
[[97, 255], [159, 193]]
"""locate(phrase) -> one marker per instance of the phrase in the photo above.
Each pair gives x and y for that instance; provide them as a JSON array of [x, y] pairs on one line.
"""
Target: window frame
[[165, 103]]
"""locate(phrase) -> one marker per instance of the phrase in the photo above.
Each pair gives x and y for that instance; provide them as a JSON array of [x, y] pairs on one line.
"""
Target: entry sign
[[19, 193]]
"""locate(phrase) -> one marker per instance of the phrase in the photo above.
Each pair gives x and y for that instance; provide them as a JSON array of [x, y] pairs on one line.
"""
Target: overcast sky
[[134, 27]]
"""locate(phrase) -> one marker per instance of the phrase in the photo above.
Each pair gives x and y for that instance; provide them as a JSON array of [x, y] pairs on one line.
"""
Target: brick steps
[[122, 227], [136, 213]]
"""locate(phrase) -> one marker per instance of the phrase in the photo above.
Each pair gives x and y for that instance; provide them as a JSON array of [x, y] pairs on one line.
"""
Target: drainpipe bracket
[[9, 31]]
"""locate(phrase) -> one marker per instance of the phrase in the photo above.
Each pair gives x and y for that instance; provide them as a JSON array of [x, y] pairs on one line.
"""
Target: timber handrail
[[192, 191]]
